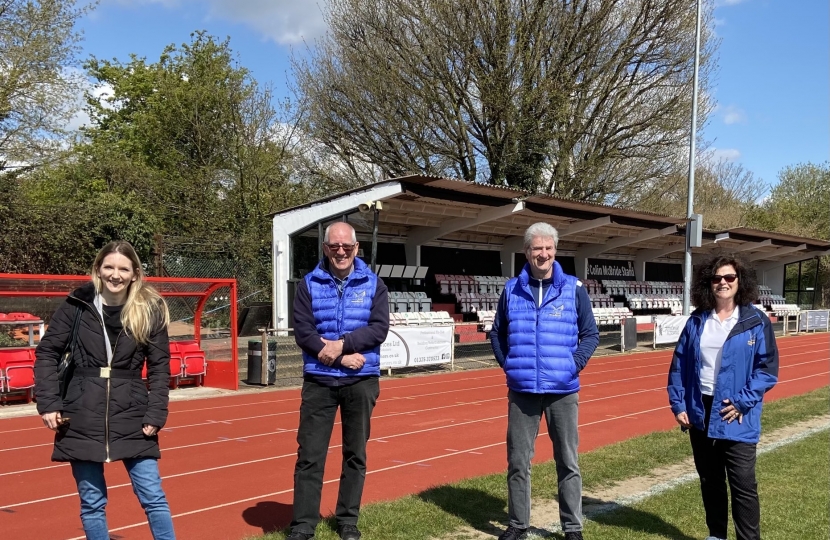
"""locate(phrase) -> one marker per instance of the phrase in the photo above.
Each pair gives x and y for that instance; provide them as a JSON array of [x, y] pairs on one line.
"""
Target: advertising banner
[[408, 346], [667, 328], [814, 320], [603, 269]]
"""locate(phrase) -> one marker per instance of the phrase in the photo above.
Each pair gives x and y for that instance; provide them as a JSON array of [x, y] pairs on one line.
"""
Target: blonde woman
[[108, 414]]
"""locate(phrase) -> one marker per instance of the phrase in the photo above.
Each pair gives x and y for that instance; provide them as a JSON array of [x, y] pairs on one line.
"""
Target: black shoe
[[573, 535], [513, 533], [348, 532], [299, 536]]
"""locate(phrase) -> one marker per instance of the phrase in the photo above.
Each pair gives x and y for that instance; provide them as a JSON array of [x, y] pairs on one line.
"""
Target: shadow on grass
[[476, 507], [270, 516], [624, 517]]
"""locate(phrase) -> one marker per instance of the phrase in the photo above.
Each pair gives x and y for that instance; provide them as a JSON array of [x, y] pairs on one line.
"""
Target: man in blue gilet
[[543, 336], [341, 317]]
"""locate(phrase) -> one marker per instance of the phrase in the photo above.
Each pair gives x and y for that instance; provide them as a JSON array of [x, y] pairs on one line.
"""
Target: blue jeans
[[144, 475]]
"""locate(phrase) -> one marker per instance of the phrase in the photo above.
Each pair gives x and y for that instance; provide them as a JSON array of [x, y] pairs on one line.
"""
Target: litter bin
[[629, 334], [255, 362]]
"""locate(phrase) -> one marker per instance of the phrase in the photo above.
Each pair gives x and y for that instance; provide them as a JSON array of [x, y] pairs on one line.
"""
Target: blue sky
[[772, 88]]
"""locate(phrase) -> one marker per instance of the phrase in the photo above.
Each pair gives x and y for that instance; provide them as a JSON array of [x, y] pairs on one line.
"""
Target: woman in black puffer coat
[[108, 414]]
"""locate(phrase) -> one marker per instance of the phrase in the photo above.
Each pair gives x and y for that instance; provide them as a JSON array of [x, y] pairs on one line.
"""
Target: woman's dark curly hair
[[702, 296]]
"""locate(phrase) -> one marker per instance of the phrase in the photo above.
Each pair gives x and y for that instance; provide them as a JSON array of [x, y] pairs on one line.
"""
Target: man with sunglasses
[[341, 317]]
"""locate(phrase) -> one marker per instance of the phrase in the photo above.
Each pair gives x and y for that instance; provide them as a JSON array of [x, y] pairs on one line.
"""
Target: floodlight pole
[[687, 263], [376, 213]]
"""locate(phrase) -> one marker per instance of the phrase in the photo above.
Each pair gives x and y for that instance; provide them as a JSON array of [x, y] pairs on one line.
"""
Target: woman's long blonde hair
[[144, 307]]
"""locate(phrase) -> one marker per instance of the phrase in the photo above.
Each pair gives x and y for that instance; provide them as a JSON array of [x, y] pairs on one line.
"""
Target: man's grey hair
[[326, 235], [543, 230]]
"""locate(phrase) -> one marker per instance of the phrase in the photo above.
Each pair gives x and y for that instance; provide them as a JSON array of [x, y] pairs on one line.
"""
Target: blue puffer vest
[[542, 339], [335, 315]]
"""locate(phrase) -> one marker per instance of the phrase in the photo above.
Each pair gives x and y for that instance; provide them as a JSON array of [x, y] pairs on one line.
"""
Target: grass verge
[[793, 487], [476, 502]]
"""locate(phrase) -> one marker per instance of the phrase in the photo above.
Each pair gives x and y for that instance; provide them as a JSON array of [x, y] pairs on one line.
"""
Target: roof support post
[[511, 246]]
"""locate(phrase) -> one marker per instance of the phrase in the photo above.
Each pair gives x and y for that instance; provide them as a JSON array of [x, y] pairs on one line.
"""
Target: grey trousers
[[524, 415]]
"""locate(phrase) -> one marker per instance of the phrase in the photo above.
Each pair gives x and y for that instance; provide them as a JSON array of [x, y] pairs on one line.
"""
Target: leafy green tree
[[38, 88], [188, 148], [800, 202]]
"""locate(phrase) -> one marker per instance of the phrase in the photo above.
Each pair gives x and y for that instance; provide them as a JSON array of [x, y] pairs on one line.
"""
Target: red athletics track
[[228, 461]]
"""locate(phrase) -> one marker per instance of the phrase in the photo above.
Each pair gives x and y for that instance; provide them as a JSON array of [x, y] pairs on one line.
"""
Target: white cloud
[[284, 21], [81, 118], [733, 115], [728, 154]]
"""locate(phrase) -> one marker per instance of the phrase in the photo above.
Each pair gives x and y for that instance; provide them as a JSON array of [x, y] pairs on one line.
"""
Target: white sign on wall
[[408, 346], [667, 328]]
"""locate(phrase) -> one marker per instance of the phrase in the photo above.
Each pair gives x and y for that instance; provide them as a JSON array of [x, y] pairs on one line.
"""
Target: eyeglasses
[[730, 278], [347, 248]]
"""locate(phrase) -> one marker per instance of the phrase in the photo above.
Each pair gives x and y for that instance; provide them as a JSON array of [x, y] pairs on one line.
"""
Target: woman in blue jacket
[[724, 363]]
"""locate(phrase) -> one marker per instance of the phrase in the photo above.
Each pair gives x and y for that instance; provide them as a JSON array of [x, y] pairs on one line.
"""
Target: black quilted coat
[[106, 415]]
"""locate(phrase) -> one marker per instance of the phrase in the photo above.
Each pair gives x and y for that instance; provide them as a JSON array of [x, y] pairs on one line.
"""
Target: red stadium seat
[[22, 317], [194, 362], [175, 364], [17, 372]]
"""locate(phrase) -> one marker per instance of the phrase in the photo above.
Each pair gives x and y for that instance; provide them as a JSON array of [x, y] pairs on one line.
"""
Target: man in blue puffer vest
[[341, 317], [543, 336]]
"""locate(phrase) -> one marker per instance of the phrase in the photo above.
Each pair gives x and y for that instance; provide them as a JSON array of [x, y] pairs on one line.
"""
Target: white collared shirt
[[712, 339]]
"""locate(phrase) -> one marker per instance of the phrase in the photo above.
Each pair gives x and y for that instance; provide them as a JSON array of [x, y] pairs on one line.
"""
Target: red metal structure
[[216, 372]]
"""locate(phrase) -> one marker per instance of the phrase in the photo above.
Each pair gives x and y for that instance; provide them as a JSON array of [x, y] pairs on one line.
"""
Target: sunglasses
[[347, 248], [730, 278]]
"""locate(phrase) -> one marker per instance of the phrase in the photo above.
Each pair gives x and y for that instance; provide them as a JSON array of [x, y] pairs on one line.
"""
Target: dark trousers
[[715, 461], [317, 414]]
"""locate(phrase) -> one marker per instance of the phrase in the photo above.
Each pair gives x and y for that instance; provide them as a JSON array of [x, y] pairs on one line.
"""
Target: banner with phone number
[[408, 346], [667, 328]]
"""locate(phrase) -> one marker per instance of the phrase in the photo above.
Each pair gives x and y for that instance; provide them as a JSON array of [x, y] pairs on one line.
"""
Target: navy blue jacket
[[749, 368], [542, 348]]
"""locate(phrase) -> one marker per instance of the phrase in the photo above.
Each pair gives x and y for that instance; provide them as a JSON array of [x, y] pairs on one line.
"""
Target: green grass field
[[793, 484]]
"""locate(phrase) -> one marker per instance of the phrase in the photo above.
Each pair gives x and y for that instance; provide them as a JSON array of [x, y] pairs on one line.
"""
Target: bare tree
[[726, 193], [39, 92], [579, 98]]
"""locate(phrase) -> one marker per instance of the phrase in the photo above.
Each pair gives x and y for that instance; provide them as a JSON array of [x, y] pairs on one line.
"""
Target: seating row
[[17, 368], [401, 301], [784, 309], [474, 302], [771, 299], [420, 318], [600, 300], [624, 288], [611, 315], [653, 301], [23, 317], [454, 284]]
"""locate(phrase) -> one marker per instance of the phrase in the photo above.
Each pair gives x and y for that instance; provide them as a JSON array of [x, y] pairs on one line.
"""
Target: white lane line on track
[[34, 470], [253, 461], [596, 361], [294, 430], [477, 451], [21, 429], [586, 385]]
